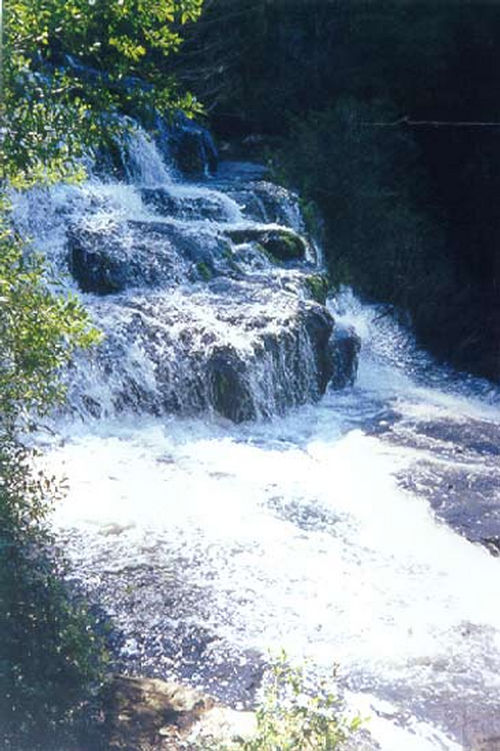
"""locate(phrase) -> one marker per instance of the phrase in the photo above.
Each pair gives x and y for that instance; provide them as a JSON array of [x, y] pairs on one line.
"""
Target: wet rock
[[232, 171], [282, 244], [319, 325], [344, 347], [232, 346], [107, 260], [447, 475], [195, 245], [222, 315], [135, 253], [461, 496], [186, 207], [188, 143], [488, 744], [492, 544], [230, 393], [317, 286], [190, 153], [262, 201], [280, 205], [479, 437], [98, 270]]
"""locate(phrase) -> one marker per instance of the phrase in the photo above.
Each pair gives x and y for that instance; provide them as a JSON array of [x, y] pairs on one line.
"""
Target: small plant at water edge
[[294, 716]]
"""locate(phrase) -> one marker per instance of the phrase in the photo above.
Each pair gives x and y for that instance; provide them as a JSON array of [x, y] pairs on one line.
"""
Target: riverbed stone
[[148, 714]]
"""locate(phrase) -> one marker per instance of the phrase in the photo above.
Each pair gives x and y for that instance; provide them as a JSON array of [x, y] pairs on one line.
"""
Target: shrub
[[52, 655], [295, 716]]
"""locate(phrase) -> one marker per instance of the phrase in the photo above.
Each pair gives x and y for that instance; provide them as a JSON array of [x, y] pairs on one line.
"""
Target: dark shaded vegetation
[[52, 650], [386, 114]]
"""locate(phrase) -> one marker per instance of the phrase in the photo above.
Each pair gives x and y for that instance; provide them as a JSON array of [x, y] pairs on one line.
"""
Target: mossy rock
[[312, 218], [318, 286], [286, 246], [266, 253], [281, 244], [204, 271]]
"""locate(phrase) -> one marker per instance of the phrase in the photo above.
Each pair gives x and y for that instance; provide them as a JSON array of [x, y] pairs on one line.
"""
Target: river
[[359, 528]]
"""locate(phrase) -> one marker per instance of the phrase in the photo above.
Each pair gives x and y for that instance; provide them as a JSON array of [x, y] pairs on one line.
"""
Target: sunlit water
[[295, 533], [355, 532]]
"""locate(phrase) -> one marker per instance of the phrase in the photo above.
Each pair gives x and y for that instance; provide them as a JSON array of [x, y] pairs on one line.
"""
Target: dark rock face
[[344, 347], [189, 144], [319, 325], [95, 269], [109, 261], [229, 390], [191, 153]]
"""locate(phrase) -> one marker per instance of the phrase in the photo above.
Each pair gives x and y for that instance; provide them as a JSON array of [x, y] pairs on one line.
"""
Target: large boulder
[[141, 253], [288, 364], [233, 346], [107, 260]]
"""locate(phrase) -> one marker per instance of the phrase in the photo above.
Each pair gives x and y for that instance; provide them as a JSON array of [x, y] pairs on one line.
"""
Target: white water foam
[[299, 530]]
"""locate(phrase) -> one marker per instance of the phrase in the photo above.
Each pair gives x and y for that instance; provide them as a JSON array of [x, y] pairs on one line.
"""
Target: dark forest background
[[386, 115]]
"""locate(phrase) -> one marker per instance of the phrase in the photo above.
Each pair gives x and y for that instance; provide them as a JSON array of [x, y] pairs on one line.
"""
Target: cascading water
[[340, 528], [206, 303]]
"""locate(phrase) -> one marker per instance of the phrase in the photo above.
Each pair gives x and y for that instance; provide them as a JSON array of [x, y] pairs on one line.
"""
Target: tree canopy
[[69, 65]]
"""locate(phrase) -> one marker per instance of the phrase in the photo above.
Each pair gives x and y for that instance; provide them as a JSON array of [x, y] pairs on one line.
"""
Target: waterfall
[[204, 290], [233, 488]]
